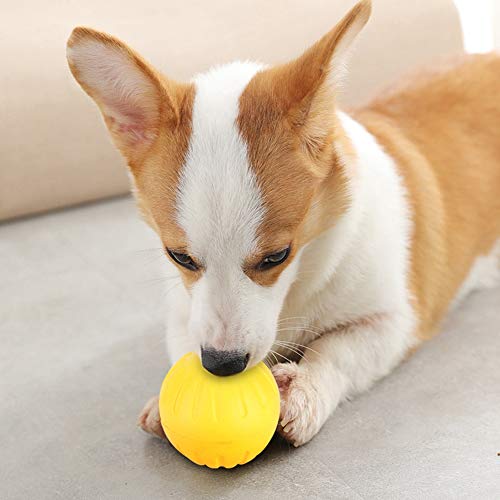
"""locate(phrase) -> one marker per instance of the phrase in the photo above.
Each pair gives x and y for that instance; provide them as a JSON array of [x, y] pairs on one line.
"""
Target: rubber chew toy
[[218, 421]]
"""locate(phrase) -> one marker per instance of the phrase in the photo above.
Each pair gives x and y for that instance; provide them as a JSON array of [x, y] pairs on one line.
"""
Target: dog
[[329, 244]]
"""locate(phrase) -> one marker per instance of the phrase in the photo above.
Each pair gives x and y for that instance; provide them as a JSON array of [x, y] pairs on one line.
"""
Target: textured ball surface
[[218, 421]]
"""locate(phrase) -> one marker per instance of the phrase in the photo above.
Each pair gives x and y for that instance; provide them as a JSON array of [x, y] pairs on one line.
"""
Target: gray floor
[[82, 350]]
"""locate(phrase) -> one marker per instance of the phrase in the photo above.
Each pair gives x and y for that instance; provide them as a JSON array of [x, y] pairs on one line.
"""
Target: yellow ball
[[218, 421]]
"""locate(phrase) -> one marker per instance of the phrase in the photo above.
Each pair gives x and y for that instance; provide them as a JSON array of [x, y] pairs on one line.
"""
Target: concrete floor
[[82, 350]]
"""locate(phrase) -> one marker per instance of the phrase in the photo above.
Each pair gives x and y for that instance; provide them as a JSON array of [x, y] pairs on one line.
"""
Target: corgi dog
[[330, 244]]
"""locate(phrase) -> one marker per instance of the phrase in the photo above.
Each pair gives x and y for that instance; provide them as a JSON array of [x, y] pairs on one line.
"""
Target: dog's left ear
[[304, 89], [136, 101]]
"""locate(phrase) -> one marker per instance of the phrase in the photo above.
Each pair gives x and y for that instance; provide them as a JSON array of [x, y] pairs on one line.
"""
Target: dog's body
[[335, 241]]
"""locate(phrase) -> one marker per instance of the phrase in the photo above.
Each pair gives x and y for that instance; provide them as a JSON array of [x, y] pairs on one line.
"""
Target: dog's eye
[[274, 259], [183, 259]]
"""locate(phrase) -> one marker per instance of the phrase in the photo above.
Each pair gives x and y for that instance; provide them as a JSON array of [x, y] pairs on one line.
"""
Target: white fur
[[220, 208], [366, 252], [355, 281]]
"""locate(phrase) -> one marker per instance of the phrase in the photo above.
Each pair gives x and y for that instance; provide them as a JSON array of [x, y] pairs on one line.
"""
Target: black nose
[[223, 363]]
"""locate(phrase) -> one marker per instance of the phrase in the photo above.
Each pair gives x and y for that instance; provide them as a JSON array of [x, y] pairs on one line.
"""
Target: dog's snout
[[223, 363]]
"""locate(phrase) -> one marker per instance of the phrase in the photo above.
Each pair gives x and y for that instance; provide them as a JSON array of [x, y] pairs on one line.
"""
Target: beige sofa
[[53, 146]]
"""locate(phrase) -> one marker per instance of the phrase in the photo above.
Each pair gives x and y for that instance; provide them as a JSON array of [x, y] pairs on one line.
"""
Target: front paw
[[149, 419], [301, 414]]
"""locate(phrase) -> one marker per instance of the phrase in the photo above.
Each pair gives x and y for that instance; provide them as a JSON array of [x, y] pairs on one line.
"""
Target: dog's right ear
[[134, 98]]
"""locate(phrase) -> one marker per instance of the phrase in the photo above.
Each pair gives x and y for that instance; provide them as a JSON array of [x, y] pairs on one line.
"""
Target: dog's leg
[[149, 419], [336, 366], [178, 344]]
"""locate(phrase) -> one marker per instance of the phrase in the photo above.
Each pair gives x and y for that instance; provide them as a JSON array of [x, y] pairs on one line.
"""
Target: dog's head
[[236, 172]]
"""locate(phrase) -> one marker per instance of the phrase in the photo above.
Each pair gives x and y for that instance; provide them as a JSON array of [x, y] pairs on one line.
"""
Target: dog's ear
[[133, 98], [304, 88], [323, 64]]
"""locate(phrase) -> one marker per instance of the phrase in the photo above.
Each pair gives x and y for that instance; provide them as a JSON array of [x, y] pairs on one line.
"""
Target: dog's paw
[[301, 414], [149, 419]]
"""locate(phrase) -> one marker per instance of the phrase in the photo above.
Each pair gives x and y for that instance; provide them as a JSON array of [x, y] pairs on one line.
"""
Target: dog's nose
[[223, 363]]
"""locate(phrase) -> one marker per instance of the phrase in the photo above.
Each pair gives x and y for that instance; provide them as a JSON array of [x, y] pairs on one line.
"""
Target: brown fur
[[155, 156], [442, 131], [287, 120]]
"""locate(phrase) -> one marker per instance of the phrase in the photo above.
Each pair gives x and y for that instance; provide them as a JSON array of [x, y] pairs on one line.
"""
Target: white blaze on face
[[220, 208]]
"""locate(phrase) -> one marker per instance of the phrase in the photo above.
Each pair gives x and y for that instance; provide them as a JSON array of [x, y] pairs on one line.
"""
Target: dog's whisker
[[298, 329], [281, 355], [301, 346], [317, 334], [312, 327], [294, 344], [292, 317], [294, 348], [274, 356], [306, 326], [299, 353], [307, 329]]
